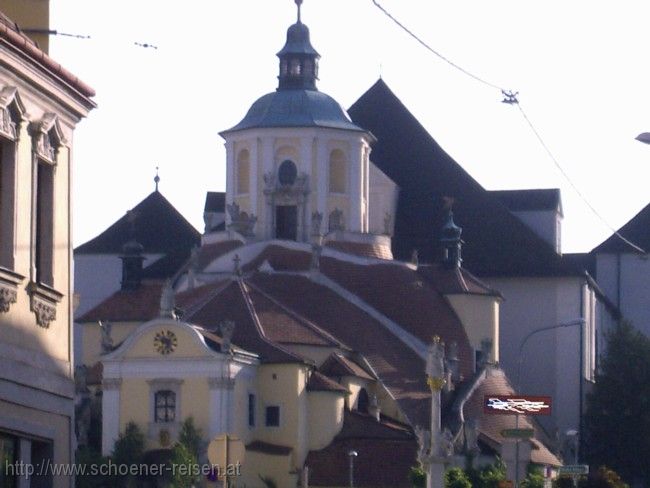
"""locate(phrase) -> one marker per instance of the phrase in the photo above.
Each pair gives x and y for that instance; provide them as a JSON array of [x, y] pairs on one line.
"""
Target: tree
[[456, 478], [488, 476], [186, 473], [128, 451], [617, 424], [534, 478], [190, 437]]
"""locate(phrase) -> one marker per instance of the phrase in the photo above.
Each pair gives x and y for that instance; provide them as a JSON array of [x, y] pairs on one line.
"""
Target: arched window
[[243, 172], [337, 166], [165, 406]]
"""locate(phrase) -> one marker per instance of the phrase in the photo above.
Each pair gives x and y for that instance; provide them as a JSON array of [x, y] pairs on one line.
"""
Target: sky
[[579, 67]]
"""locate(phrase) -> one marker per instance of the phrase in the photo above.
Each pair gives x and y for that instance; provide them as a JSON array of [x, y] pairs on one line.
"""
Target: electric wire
[[510, 98], [429, 48]]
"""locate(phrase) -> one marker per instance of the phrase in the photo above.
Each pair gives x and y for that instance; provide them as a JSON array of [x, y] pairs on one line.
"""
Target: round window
[[287, 173]]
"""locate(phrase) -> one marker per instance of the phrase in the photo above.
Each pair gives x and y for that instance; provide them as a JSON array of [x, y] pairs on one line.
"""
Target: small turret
[[298, 59], [451, 243]]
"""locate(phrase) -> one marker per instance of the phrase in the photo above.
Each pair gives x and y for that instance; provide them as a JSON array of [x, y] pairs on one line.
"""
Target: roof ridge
[[258, 325], [324, 334], [196, 308]]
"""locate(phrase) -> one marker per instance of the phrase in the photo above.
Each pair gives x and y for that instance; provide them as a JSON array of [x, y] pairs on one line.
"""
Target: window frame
[[169, 406], [266, 416]]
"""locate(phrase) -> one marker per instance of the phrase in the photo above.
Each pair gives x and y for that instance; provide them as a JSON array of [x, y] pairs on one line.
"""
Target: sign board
[[506, 484], [573, 469], [518, 433], [517, 405]]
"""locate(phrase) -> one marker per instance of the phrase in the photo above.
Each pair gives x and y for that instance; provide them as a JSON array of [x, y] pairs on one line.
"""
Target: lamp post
[[352, 455], [579, 321]]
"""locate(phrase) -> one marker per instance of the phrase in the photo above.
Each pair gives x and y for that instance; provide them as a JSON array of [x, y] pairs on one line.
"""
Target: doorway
[[286, 222]]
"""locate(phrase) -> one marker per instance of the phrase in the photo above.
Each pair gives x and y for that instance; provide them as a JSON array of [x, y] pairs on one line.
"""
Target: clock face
[[165, 342]]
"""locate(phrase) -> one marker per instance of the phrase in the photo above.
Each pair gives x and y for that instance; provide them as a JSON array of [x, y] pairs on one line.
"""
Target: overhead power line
[[429, 48], [510, 98]]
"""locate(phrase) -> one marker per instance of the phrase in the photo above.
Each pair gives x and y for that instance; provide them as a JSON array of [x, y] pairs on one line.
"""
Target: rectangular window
[[8, 458], [165, 406], [44, 241], [7, 199], [251, 410], [41, 455], [273, 416]]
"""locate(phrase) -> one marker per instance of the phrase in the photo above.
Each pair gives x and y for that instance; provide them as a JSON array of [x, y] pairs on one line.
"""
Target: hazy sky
[[579, 67]]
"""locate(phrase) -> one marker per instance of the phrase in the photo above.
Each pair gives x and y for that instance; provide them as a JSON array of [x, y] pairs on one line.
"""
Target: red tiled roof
[[338, 365], [399, 368], [385, 451], [362, 249], [490, 425], [268, 448], [281, 324], [320, 382], [137, 305], [10, 32], [400, 294], [210, 252], [454, 281], [231, 302], [281, 259]]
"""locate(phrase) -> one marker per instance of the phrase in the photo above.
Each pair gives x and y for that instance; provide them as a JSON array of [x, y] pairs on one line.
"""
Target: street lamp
[[579, 321], [643, 137], [352, 455]]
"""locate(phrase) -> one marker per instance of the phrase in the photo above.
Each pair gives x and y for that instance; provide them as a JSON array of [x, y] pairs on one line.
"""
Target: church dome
[[296, 108]]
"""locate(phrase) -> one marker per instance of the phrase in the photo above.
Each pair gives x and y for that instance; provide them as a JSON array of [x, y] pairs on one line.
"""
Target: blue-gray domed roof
[[296, 108]]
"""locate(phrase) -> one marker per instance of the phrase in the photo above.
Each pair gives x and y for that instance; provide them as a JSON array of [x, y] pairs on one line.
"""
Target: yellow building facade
[[40, 105]]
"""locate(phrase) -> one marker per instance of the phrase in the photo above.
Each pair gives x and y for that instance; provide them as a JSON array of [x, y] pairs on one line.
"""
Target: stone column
[[356, 187], [110, 413], [265, 219], [321, 184], [230, 176], [253, 190]]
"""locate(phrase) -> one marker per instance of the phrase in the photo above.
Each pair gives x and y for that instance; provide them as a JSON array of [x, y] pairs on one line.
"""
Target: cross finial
[[298, 3], [156, 178]]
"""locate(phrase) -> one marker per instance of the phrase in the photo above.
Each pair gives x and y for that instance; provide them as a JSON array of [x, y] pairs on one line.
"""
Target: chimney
[[132, 260]]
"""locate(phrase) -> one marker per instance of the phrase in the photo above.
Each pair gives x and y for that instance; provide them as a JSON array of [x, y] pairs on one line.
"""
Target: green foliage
[[617, 426], [534, 478], [128, 450], [86, 458], [488, 476], [456, 478], [603, 477], [418, 477], [268, 482], [190, 437], [185, 474]]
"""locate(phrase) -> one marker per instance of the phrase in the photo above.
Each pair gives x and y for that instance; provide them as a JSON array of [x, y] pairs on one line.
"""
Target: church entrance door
[[286, 222]]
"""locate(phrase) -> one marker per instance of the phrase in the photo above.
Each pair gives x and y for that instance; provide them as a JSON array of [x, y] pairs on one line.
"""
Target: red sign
[[517, 405]]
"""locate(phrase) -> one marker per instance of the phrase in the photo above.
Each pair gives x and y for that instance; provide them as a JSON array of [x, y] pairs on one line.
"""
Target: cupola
[[298, 59]]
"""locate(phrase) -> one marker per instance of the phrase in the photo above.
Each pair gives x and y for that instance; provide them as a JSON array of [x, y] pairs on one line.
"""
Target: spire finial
[[156, 178], [299, 4]]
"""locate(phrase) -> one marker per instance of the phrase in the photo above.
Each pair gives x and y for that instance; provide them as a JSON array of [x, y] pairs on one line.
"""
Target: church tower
[[297, 165]]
